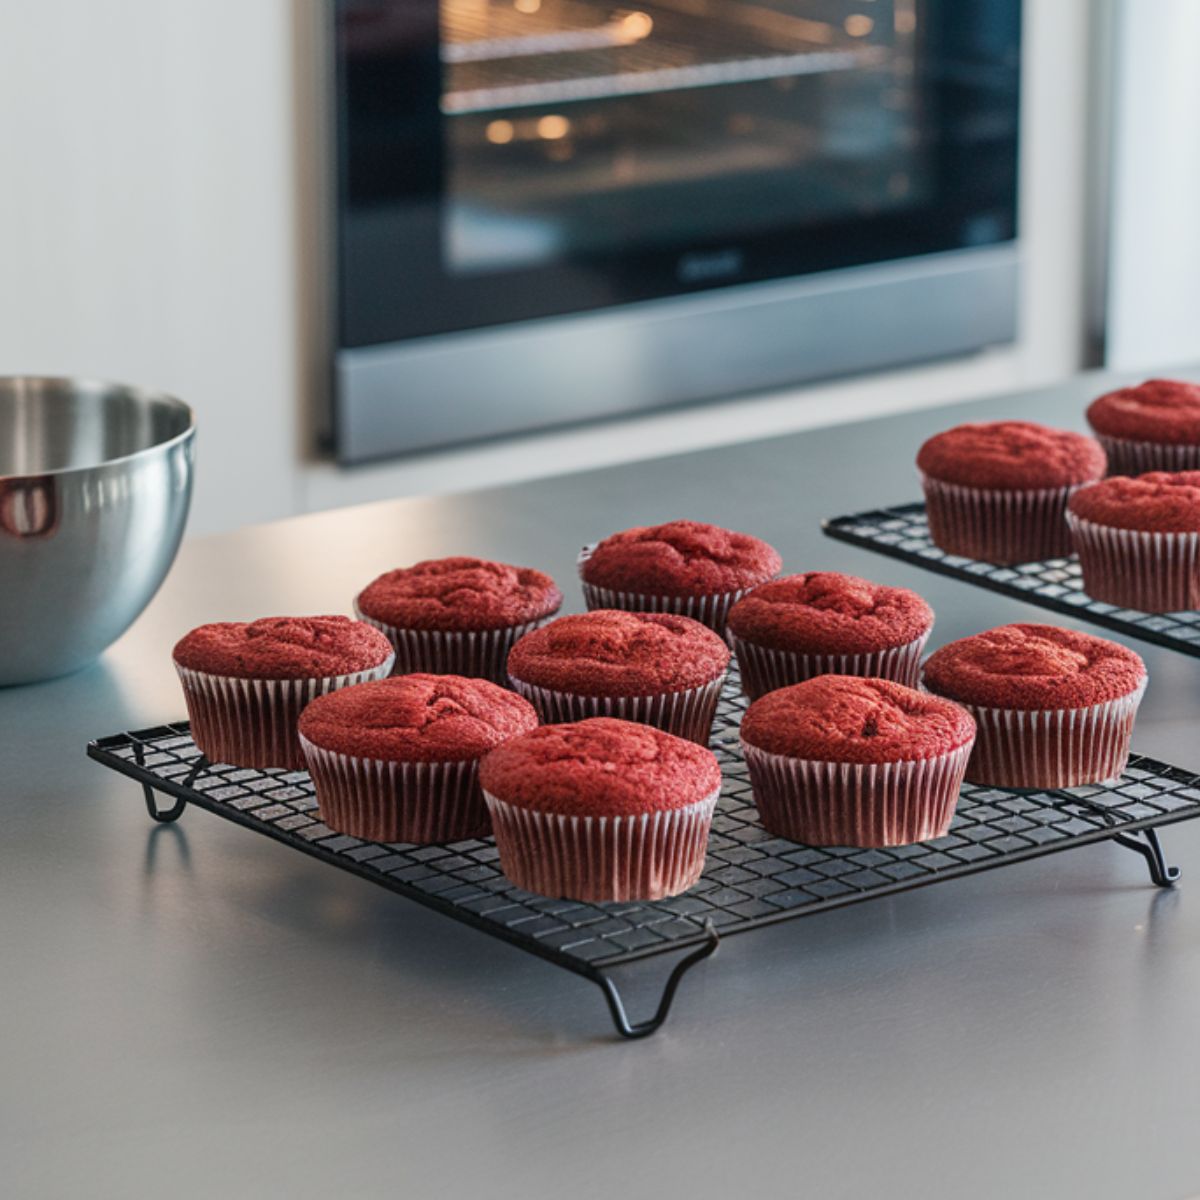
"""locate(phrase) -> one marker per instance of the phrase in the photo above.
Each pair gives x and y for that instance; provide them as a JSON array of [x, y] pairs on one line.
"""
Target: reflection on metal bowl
[[95, 483]]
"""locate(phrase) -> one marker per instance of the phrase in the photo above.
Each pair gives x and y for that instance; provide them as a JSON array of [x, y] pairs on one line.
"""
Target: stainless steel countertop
[[192, 1010]]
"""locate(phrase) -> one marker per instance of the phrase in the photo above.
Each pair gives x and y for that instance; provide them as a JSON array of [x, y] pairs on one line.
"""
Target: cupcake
[[397, 760], [840, 760], [601, 810], [825, 623], [457, 616], [245, 683], [1054, 707], [1138, 540], [1152, 427], [998, 491], [681, 567], [656, 668]]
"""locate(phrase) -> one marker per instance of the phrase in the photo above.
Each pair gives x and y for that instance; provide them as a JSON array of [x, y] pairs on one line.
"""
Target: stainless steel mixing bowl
[[95, 483]]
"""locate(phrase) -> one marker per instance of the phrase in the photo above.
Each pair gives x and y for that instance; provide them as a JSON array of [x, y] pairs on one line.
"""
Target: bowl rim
[[90, 383]]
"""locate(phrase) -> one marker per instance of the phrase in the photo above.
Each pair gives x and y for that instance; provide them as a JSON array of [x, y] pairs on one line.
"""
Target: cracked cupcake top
[[417, 718], [1159, 410], [680, 558], [607, 652], [283, 648], [455, 594], [1157, 502], [1011, 455], [1034, 668], [825, 612], [845, 718], [600, 767]]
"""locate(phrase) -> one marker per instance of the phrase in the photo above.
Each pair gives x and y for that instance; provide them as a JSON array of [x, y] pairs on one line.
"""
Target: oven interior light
[[527, 6], [858, 24], [553, 126], [500, 133]]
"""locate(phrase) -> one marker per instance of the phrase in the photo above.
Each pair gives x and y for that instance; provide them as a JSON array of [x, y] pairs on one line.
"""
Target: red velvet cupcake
[[457, 616], [1138, 540], [682, 567], [601, 810], [657, 668], [844, 761], [398, 760], [825, 623], [998, 491], [246, 683], [1152, 427], [1055, 708]]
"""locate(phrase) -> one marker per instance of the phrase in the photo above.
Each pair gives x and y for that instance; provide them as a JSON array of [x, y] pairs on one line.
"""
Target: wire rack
[[903, 532], [752, 879]]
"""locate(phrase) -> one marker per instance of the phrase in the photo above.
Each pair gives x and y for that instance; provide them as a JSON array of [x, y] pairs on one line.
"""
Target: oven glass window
[[581, 127]]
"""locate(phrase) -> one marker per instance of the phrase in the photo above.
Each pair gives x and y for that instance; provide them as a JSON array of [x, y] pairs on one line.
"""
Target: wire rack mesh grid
[[903, 532], [751, 878]]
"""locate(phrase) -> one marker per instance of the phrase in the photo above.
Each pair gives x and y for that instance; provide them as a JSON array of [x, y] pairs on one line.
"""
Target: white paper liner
[[1126, 457], [476, 653], [645, 857], [997, 526], [252, 722], [1052, 748], [766, 670], [418, 803], [687, 714], [1133, 568], [856, 804], [711, 610]]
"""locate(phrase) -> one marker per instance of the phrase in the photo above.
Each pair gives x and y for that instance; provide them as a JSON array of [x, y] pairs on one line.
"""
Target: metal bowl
[[95, 483]]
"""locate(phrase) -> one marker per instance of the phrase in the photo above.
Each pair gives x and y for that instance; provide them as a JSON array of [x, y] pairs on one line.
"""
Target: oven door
[[505, 161]]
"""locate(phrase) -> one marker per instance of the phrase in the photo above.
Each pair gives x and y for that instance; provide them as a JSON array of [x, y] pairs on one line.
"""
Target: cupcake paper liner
[[414, 802], [645, 857], [711, 610], [687, 714], [1127, 457], [476, 653], [996, 526], [1133, 568], [252, 722], [766, 670], [856, 804], [1052, 748]]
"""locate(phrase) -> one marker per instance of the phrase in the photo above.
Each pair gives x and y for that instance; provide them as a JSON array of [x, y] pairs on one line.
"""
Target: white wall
[[157, 219], [1152, 314]]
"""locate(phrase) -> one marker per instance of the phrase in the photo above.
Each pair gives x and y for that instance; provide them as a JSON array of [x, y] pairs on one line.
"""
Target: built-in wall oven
[[556, 210]]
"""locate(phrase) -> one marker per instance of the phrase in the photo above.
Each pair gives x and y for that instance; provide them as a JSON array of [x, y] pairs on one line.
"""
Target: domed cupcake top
[[608, 652], [417, 718], [846, 718], [1011, 455], [600, 767], [680, 558], [455, 594], [1159, 410], [283, 648], [825, 612], [1157, 502], [1034, 667]]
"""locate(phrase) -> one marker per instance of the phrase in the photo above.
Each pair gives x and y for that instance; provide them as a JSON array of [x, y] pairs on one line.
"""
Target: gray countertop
[[192, 1010]]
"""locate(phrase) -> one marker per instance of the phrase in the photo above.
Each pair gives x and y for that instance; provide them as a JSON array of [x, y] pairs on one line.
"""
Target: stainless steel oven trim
[[415, 395]]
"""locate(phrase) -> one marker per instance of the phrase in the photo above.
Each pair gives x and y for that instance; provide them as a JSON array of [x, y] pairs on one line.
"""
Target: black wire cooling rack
[[751, 878], [903, 532]]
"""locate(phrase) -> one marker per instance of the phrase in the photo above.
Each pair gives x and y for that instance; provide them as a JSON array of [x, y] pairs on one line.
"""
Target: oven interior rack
[[903, 532], [751, 879]]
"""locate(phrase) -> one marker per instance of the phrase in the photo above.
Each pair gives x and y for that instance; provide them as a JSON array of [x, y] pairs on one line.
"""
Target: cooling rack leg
[[645, 1028], [169, 814], [1146, 843]]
